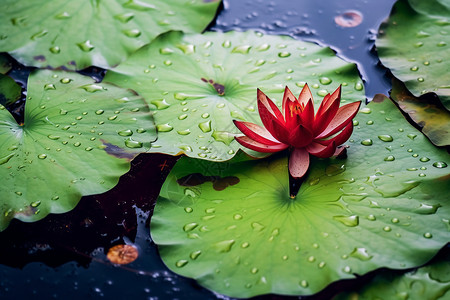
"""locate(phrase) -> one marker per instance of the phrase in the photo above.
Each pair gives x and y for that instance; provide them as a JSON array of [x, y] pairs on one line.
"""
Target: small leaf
[[78, 137], [234, 228]]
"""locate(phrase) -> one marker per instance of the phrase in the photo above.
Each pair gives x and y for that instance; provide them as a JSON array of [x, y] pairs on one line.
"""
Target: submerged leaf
[[383, 206], [10, 91], [426, 111], [414, 44], [199, 84], [78, 34], [77, 139]]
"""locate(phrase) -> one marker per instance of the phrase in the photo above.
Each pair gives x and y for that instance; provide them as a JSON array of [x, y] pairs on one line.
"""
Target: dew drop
[[125, 17], [420, 79], [387, 228], [130, 143], [424, 159], [141, 130], [182, 117], [184, 132], [284, 54], [414, 68], [366, 110], [92, 88], [164, 127], [440, 164], [367, 142], [389, 158], [205, 126], [224, 246], [223, 136], [371, 218], [195, 254], [426, 209], [386, 138], [304, 283], [160, 103], [257, 226], [359, 86], [86, 46], [181, 263], [42, 156], [237, 217], [132, 33], [245, 245], [427, 235], [126, 132], [350, 221], [190, 226], [311, 259], [205, 115], [244, 49]]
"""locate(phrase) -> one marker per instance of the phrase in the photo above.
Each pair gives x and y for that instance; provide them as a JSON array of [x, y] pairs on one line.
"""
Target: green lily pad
[[10, 91], [431, 282], [199, 83], [78, 34], [233, 227], [78, 137], [414, 44], [426, 112]]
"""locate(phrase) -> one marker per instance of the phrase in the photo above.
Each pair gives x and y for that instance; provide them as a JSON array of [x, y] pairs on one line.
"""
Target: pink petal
[[300, 136], [273, 109], [305, 95], [327, 151], [339, 139], [280, 132], [328, 100], [254, 145], [345, 114], [266, 114], [256, 132], [339, 150], [298, 162]]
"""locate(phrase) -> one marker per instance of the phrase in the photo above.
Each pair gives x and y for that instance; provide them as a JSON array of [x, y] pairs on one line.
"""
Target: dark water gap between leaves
[[63, 256]]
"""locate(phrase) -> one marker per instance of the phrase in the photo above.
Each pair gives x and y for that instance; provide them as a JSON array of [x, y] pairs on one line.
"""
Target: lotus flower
[[299, 129]]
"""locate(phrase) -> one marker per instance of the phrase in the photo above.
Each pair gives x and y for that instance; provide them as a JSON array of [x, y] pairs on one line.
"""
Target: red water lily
[[299, 129]]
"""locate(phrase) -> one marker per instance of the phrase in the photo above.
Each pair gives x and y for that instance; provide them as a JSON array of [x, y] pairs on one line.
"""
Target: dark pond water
[[63, 256]]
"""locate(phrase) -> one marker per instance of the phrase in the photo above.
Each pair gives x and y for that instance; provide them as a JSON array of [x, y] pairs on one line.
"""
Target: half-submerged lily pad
[[426, 111], [429, 282], [199, 83], [78, 34], [77, 139], [414, 44], [10, 91], [234, 228]]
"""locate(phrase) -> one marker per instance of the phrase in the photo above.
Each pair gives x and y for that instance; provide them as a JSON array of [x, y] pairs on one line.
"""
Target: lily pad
[[199, 83], [429, 282], [414, 44], [5, 63], [10, 91], [234, 228], [78, 137], [78, 34], [426, 111]]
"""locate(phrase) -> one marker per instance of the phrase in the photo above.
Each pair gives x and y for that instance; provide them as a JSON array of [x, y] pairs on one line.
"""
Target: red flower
[[298, 129]]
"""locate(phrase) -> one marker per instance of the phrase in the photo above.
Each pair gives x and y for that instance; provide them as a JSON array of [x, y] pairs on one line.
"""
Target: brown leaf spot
[[117, 151], [219, 183], [39, 57]]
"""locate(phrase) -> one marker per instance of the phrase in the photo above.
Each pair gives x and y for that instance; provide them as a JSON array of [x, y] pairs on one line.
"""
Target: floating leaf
[[426, 112], [414, 45], [234, 228], [200, 83], [429, 282], [78, 34], [10, 91], [5, 63], [77, 139]]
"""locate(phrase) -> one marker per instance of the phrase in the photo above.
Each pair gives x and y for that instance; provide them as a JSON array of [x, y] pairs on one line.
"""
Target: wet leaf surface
[[74, 35], [78, 137], [198, 84], [382, 206], [414, 43]]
